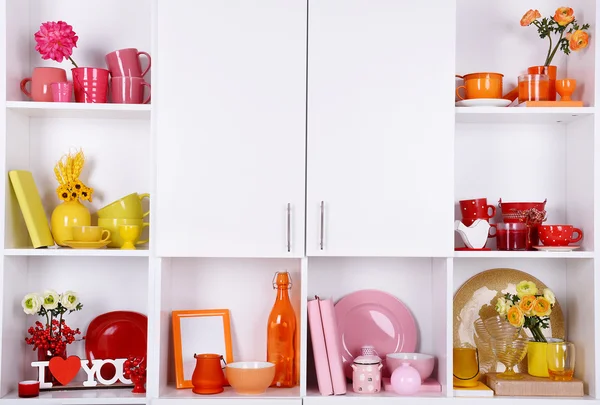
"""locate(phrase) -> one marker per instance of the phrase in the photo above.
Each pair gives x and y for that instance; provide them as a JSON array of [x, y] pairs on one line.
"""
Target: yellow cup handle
[[142, 196], [141, 242], [107, 237]]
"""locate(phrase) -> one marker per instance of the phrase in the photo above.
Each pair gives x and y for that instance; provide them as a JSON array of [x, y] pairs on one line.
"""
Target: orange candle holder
[[533, 87]]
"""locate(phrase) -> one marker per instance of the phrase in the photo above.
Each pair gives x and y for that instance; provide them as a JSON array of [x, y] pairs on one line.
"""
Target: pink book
[[319, 349], [333, 344]]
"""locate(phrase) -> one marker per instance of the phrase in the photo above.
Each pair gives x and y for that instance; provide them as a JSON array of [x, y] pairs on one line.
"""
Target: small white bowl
[[424, 363]]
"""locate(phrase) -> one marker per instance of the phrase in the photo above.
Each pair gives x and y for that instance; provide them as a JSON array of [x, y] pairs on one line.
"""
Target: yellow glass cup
[[90, 234], [129, 233], [112, 224], [560, 357], [465, 366]]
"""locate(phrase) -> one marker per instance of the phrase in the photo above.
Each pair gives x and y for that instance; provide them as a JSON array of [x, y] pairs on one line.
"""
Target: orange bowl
[[250, 377]]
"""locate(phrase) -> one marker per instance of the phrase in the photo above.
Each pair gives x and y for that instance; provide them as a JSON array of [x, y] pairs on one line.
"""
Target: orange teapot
[[208, 377]]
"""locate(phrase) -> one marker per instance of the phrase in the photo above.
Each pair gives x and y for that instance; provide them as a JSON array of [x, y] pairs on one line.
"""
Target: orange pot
[[481, 85], [208, 377]]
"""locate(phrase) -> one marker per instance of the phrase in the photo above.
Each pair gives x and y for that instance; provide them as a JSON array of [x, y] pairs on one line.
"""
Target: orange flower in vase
[[563, 16]]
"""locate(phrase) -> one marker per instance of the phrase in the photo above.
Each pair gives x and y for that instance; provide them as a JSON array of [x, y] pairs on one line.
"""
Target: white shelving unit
[[313, 136]]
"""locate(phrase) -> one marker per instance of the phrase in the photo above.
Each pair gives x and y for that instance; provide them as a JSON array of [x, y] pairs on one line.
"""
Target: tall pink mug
[[126, 63]]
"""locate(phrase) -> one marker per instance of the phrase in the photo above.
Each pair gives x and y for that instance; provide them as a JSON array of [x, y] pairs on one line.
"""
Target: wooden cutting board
[[534, 386]]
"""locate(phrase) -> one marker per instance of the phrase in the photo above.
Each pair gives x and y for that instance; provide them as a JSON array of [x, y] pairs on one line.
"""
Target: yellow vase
[[65, 216], [537, 365]]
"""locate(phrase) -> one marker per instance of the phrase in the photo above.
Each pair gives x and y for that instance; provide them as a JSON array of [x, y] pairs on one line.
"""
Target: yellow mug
[[90, 234], [465, 366], [128, 207], [112, 224]]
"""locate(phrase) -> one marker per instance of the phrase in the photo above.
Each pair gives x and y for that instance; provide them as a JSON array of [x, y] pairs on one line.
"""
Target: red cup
[[511, 236], [126, 62], [29, 389], [476, 209], [559, 235], [61, 92], [91, 84], [128, 90], [41, 80]]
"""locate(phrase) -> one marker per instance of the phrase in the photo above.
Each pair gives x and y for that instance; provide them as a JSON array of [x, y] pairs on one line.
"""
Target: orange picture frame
[[197, 332]]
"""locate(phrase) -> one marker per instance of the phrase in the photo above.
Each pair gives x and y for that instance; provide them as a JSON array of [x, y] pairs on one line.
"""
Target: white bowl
[[424, 363]]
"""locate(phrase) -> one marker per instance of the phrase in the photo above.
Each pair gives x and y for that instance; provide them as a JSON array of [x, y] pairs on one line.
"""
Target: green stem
[[549, 59], [73, 62], [549, 51], [538, 336]]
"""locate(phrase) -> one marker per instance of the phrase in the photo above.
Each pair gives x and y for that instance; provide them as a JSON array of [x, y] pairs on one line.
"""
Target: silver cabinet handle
[[288, 227], [322, 224]]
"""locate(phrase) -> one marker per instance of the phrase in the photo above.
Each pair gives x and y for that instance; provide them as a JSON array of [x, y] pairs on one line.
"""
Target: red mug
[[126, 62], [129, 90], [559, 235], [91, 84], [476, 209], [41, 81]]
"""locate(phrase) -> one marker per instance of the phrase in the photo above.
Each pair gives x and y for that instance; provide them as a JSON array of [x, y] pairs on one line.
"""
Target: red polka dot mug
[[559, 235], [478, 208]]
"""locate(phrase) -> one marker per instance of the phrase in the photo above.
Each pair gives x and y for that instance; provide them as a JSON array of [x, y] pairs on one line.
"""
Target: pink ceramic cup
[[41, 89], [126, 62], [129, 90], [61, 92], [90, 84]]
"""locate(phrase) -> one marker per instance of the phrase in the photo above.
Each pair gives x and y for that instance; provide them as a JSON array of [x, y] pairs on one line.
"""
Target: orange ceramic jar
[[533, 88]]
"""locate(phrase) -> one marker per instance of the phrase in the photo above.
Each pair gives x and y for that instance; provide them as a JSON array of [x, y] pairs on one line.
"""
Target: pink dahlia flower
[[56, 40]]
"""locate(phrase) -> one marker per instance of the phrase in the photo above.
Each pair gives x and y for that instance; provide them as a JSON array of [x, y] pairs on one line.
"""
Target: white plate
[[557, 248], [483, 102]]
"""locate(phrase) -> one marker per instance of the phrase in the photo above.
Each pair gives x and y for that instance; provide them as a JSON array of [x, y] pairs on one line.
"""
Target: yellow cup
[[90, 234], [465, 366], [112, 224], [128, 207], [129, 233]]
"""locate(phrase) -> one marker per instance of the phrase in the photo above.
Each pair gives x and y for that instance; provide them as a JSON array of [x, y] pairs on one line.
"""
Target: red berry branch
[[134, 367], [54, 338]]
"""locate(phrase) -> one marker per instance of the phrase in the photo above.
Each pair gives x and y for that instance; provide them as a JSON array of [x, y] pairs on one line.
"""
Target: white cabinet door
[[230, 106], [380, 128]]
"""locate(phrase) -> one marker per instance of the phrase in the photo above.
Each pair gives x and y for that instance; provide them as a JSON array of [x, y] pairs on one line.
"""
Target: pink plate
[[376, 318]]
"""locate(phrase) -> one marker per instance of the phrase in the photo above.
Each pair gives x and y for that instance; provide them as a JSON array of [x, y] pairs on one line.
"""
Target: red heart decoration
[[65, 370]]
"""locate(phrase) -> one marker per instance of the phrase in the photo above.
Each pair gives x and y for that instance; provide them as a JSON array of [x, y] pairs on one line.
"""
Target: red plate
[[116, 335]]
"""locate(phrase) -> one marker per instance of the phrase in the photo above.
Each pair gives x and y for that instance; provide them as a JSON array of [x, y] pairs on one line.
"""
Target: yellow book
[[31, 208]]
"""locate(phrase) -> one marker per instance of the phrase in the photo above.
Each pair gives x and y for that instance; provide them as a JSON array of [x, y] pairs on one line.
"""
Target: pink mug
[[126, 62], [91, 84], [41, 81], [129, 90], [61, 91]]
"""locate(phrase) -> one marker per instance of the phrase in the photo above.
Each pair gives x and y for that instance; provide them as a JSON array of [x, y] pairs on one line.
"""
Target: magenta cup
[[511, 236], [61, 91]]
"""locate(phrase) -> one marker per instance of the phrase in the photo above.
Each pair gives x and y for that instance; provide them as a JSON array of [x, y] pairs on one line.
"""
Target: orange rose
[[578, 40], [515, 316], [526, 304], [530, 17], [563, 16], [541, 307]]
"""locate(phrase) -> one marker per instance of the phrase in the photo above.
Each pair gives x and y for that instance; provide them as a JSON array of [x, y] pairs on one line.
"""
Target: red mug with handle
[[126, 62], [559, 235], [477, 208], [129, 90], [41, 83]]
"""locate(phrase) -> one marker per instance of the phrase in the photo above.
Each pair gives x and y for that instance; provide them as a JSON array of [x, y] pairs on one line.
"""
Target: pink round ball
[[406, 380]]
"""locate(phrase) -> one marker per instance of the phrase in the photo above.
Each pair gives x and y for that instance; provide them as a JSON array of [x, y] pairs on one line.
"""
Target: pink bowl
[[422, 362]]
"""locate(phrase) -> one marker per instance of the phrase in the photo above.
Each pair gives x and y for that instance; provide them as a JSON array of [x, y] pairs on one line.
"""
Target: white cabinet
[[380, 128], [230, 100]]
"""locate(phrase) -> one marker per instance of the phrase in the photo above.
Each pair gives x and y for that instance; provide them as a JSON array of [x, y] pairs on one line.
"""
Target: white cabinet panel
[[230, 105], [380, 128]]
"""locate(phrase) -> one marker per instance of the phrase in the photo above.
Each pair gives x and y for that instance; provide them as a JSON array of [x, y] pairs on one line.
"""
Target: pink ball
[[406, 380]]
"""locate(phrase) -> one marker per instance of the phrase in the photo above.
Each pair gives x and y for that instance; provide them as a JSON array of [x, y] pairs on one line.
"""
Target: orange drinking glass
[[533, 88], [281, 334], [565, 87]]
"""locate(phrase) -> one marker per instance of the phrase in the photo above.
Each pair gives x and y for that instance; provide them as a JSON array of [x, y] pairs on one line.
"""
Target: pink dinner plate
[[374, 318], [116, 335]]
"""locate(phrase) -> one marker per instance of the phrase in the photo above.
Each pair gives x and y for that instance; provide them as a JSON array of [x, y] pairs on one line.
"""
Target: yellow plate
[[477, 297], [75, 244]]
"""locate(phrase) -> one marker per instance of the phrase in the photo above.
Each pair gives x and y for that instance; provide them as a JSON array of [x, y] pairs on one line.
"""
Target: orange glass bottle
[[281, 334]]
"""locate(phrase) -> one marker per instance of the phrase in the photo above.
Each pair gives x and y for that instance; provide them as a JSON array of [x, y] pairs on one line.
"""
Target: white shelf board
[[63, 251], [523, 254], [171, 393], [382, 398], [81, 110], [521, 115], [98, 396]]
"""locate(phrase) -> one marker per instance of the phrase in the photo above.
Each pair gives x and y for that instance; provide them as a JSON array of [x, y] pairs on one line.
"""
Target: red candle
[[28, 389]]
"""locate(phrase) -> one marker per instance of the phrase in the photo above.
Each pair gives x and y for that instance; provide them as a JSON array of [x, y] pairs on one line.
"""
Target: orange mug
[[481, 85]]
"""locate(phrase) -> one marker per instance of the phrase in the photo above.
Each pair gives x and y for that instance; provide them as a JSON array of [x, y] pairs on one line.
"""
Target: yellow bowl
[[250, 377]]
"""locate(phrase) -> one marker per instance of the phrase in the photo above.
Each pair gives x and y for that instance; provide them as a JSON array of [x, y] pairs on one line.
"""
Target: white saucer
[[483, 102], [557, 248]]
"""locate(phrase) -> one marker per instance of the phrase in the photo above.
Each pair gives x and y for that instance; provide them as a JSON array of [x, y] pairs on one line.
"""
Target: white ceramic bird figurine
[[474, 236]]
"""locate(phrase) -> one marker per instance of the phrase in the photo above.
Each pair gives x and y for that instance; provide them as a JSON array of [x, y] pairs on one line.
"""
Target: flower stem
[[549, 52], [549, 59], [73, 62]]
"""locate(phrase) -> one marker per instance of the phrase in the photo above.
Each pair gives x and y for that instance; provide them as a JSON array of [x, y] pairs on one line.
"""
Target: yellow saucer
[[75, 244]]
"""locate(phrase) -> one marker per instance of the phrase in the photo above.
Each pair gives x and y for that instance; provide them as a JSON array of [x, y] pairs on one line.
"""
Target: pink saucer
[[376, 318]]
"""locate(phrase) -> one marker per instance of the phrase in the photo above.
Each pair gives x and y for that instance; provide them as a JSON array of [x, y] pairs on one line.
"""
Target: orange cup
[[533, 88], [565, 87], [481, 85]]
